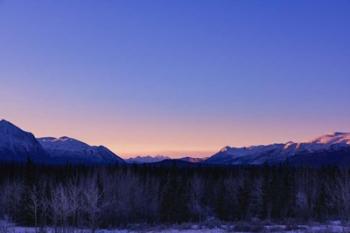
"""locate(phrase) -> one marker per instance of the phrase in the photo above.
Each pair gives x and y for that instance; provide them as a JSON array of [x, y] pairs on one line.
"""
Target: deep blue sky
[[176, 77]]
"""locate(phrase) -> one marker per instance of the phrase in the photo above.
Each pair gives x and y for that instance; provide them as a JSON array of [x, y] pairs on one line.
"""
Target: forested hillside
[[118, 195]]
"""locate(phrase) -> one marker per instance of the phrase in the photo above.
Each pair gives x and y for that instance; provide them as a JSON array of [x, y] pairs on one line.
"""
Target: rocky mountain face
[[146, 159], [17, 145], [330, 148], [70, 150]]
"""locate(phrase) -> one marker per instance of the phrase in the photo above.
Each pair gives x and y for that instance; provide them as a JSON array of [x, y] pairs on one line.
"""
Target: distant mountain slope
[[65, 149], [17, 145], [146, 159], [295, 153], [192, 160], [174, 163], [160, 158], [338, 157]]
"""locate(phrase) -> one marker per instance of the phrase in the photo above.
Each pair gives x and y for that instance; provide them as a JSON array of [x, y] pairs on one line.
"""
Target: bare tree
[[196, 196], [11, 195], [60, 206], [340, 193], [34, 203], [74, 192], [256, 200], [91, 202]]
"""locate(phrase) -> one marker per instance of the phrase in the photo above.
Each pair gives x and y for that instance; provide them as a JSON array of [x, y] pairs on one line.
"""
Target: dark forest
[[115, 196]]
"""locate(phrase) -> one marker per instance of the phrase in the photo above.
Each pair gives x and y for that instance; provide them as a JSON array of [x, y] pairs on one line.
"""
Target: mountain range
[[17, 145], [160, 158], [70, 150], [146, 159], [330, 149]]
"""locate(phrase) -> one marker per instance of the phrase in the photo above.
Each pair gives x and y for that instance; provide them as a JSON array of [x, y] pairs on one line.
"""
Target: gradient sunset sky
[[176, 77]]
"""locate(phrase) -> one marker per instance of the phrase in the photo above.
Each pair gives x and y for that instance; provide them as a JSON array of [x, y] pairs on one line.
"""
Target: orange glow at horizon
[[169, 80], [184, 137]]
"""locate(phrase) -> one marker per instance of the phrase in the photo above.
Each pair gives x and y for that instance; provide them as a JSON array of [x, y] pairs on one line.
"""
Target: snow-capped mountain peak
[[4, 122], [226, 149], [66, 148], [280, 152], [147, 159], [63, 143], [11, 134], [18, 145], [331, 139], [7, 127]]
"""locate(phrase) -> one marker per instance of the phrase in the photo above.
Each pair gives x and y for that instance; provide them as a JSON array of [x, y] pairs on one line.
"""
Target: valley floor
[[331, 227]]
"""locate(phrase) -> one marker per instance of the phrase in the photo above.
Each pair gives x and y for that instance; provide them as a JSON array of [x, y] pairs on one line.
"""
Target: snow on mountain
[[192, 160], [65, 149], [161, 158], [247, 155], [277, 153], [63, 143], [147, 159], [18, 145], [331, 139]]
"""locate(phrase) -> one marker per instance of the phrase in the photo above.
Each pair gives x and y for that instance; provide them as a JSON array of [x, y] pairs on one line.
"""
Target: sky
[[176, 77]]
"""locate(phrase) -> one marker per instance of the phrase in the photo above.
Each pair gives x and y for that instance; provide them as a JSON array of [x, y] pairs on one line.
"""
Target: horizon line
[[172, 153]]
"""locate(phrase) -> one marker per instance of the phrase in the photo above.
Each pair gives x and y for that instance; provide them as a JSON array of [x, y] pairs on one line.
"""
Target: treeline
[[96, 197]]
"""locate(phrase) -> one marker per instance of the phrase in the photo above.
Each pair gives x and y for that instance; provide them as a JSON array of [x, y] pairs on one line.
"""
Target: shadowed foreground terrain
[[329, 227], [117, 196]]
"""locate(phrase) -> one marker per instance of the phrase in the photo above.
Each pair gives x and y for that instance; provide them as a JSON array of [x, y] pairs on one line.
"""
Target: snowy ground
[[332, 227]]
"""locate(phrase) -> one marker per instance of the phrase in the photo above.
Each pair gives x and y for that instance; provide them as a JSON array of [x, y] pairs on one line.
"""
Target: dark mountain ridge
[[17, 145], [20, 146]]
